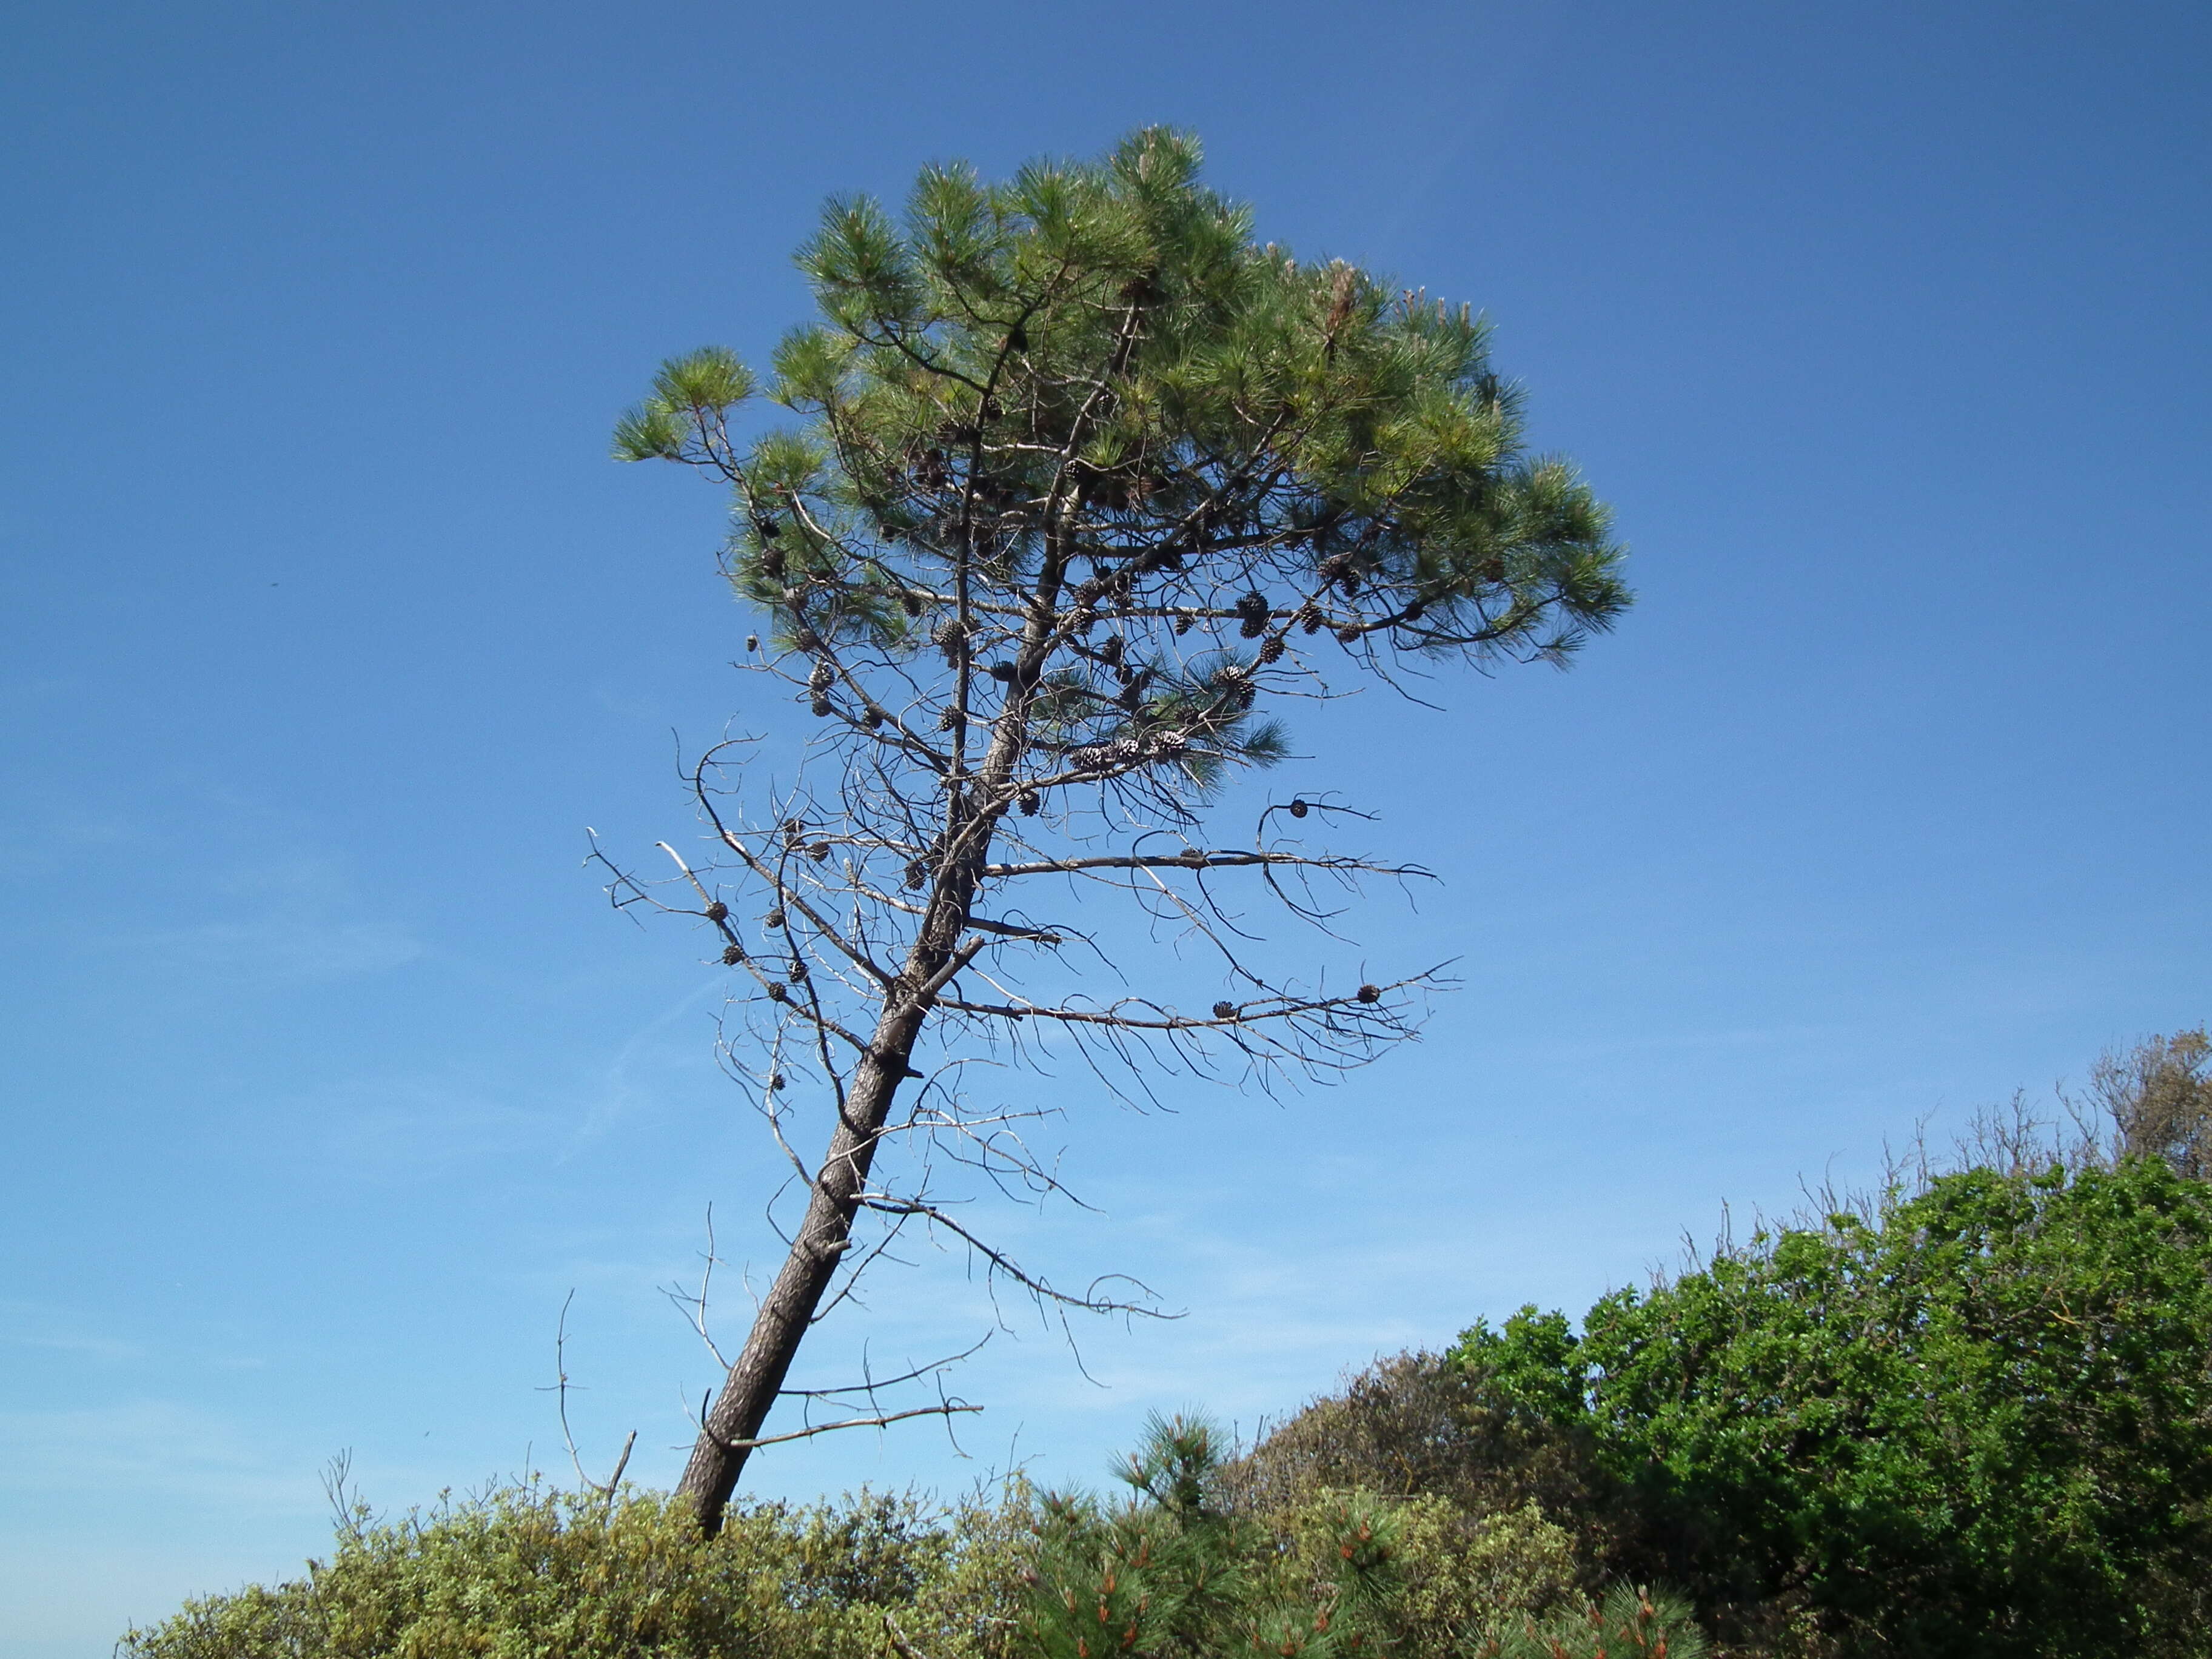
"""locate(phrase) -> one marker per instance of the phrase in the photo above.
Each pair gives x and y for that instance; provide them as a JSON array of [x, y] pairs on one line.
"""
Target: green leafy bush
[[1975, 1419], [1422, 1428], [1171, 1571], [525, 1573], [1174, 1569], [1628, 1621], [1467, 1578], [1190, 1565]]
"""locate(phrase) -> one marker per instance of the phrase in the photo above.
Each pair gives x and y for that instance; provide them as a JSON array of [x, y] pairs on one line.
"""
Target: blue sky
[[328, 1074]]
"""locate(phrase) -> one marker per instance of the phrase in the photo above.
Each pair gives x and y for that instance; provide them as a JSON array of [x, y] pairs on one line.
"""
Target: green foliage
[[1629, 1622], [1427, 1430], [1184, 1567], [1189, 1566], [1169, 1572], [1088, 393], [523, 1571], [1977, 1420], [1469, 1580]]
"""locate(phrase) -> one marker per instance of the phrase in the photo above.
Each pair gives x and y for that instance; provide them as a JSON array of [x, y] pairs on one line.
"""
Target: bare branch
[[884, 1420], [559, 1389]]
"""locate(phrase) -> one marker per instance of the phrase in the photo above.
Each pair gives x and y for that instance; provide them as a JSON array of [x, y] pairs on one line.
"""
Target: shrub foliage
[[1178, 1568], [1974, 1418]]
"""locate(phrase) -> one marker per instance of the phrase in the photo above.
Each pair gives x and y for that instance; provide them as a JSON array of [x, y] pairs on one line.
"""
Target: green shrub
[[525, 1573], [1467, 1579], [1421, 1427], [1174, 1571], [1628, 1621], [1975, 1421], [1191, 1565]]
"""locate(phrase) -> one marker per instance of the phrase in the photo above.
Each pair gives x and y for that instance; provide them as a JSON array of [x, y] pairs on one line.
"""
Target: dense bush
[[525, 1573], [1975, 1419], [1182, 1566], [1421, 1427], [1190, 1564]]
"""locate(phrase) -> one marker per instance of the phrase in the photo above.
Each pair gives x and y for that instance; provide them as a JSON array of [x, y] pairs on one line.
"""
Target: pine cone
[[818, 706], [1370, 993], [717, 911], [915, 876], [1028, 802], [820, 851], [773, 919], [1273, 649], [731, 955], [1224, 1010], [1299, 809]]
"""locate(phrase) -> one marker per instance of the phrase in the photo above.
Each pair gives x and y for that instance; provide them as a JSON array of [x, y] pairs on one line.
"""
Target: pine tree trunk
[[719, 1454]]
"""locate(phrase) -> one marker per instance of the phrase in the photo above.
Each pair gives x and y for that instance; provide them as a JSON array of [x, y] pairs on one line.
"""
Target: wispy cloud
[[47, 1329], [289, 919], [414, 1123], [653, 1056], [147, 1445], [242, 897], [289, 948]]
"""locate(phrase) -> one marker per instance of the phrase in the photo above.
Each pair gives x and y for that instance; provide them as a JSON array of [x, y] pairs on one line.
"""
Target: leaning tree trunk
[[730, 1427]]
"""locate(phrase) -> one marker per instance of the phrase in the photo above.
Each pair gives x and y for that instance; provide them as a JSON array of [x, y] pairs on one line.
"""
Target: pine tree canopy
[[1089, 394]]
